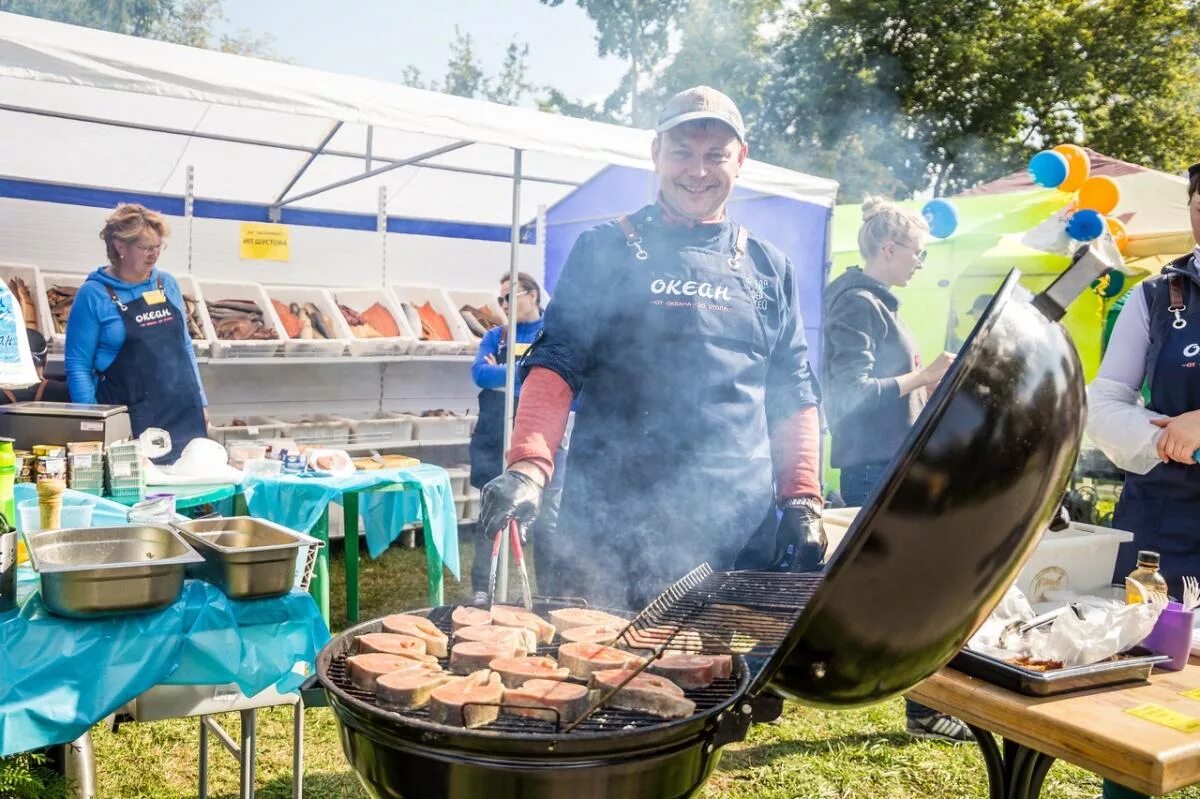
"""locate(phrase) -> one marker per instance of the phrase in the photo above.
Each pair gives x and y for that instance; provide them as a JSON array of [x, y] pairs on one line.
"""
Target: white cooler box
[[1079, 559]]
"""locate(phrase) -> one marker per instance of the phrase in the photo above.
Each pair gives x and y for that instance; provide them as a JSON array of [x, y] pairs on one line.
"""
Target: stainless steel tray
[[100, 571], [245, 557]]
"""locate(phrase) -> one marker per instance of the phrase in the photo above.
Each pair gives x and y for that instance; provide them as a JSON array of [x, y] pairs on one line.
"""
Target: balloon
[[1100, 193], [1048, 168], [941, 216], [1085, 225], [1117, 228], [1078, 166]]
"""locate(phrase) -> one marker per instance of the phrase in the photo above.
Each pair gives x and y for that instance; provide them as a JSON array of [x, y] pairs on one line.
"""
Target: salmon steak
[[548, 700], [566, 618], [471, 701], [437, 643], [651, 640], [692, 671], [645, 693], [365, 670], [581, 659], [409, 688], [520, 636], [408, 646], [515, 672], [467, 616], [506, 616], [592, 634], [467, 657]]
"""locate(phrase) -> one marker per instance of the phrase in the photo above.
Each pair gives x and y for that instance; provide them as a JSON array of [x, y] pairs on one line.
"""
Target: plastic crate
[[323, 300], [37, 289], [383, 428], [217, 290], [358, 300], [256, 428], [125, 477], [439, 300], [442, 428], [55, 339], [318, 430], [189, 288], [459, 476]]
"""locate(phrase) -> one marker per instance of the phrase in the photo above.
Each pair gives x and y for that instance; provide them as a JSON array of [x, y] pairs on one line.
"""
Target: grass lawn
[[811, 753]]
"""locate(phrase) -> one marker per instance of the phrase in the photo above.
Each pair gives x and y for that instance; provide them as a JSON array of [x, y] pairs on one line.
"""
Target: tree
[[465, 75], [637, 30], [187, 22]]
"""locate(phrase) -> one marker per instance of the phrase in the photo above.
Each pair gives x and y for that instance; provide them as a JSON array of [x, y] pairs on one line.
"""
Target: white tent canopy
[[86, 107]]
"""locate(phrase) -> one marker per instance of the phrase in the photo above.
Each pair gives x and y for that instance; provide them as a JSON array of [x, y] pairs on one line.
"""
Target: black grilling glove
[[512, 495], [800, 540]]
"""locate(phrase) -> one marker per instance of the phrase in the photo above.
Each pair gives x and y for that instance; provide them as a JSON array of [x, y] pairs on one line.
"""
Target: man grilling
[[680, 333]]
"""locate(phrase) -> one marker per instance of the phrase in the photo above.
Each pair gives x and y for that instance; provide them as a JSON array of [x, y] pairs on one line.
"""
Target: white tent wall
[[59, 237]]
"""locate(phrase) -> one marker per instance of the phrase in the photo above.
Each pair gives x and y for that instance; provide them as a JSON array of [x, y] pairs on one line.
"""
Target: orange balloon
[[1100, 193], [1117, 228], [1078, 166]]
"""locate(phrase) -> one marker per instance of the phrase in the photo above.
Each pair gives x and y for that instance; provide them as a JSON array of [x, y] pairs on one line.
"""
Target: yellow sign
[[262, 241], [154, 297], [1168, 718]]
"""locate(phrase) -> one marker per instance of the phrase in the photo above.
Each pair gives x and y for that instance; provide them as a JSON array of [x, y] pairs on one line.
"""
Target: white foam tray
[[361, 299], [216, 290], [321, 298]]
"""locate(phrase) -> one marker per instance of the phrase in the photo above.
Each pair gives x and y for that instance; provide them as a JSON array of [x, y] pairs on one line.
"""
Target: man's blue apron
[[670, 462], [152, 374], [1162, 508]]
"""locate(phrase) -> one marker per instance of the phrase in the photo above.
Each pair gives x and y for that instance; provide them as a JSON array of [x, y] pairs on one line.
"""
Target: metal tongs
[[514, 538]]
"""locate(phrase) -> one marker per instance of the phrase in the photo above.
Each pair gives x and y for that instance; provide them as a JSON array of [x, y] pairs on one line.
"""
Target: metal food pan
[[1133, 665], [99, 571], [245, 557]]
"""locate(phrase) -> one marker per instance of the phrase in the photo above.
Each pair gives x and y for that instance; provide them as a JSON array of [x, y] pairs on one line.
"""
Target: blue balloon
[[942, 218], [1048, 169], [1085, 225]]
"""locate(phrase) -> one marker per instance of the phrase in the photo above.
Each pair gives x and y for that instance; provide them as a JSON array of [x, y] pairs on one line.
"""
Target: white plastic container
[[462, 339], [458, 480], [318, 430], [359, 300], [1079, 559], [379, 428], [323, 300], [442, 428], [189, 288], [478, 298], [55, 340], [256, 428], [217, 290], [37, 288]]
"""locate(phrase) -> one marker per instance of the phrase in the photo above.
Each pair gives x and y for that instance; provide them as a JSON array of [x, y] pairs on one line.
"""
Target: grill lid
[[964, 502]]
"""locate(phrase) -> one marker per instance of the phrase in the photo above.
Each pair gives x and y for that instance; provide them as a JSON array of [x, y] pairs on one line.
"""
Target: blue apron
[[1162, 508], [152, 374], [670, 462], [487, 442]]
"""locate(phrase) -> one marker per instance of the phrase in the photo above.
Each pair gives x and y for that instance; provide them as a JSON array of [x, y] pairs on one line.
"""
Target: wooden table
[[1090, 729]]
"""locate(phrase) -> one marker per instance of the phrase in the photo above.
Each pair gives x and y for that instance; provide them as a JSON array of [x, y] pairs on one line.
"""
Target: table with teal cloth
[[391, 499], [60, 676]]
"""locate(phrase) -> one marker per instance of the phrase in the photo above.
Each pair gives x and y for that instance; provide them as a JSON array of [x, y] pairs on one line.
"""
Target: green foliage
[[26, 776], [465, 76]]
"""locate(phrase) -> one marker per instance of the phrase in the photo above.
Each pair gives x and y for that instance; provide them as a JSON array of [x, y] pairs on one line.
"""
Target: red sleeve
[[796, 451], [541, 419]]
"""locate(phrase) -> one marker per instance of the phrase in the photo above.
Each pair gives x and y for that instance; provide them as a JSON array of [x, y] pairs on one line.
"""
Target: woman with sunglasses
[[489, 372], [127, 336], [873, 381]]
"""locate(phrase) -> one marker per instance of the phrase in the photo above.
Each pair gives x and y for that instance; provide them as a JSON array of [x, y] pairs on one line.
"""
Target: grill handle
[[312, 694]]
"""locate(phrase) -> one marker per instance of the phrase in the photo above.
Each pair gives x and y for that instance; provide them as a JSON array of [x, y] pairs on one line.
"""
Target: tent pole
[[510, 362], [370, 142], [189, 202], [381, 221], [312, 156]]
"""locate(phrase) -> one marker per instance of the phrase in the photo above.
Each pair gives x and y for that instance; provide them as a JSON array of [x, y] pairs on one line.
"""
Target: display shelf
[[339, 360], [407, 444]]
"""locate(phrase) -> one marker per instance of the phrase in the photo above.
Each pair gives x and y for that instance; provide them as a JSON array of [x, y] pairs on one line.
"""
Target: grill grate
[[714, 613]]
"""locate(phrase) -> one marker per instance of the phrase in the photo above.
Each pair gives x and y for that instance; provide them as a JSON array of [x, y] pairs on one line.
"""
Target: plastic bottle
[[8, 476], [1146, 574]]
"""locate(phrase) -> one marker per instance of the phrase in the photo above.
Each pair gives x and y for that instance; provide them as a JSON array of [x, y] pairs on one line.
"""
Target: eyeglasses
[[921, 254], [149, 248], [503, 298]]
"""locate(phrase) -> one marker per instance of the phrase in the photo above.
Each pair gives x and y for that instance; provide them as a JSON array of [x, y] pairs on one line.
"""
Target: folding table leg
[[247, 759], [319, 587], [350, 512], [203, 759], [1017, 772], [298, 750]]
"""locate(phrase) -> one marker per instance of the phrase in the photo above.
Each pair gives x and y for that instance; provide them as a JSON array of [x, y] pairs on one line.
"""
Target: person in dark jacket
[[875, 385]]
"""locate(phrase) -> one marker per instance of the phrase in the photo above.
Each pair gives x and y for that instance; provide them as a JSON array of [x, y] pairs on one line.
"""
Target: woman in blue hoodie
[[127, 336]]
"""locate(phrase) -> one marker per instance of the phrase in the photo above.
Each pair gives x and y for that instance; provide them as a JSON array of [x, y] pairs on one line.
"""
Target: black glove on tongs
[[512, 495], [800, 540]]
